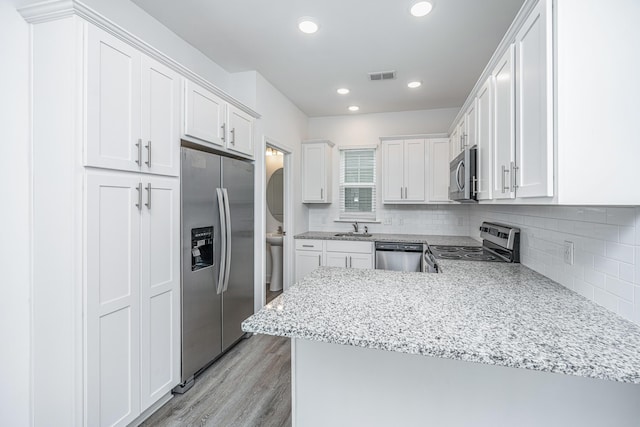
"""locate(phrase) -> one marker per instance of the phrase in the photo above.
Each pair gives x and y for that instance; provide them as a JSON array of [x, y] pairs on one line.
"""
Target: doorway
[[277, 220]]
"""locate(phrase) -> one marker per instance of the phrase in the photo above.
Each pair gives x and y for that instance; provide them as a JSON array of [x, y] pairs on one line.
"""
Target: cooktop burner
[[469, 253]]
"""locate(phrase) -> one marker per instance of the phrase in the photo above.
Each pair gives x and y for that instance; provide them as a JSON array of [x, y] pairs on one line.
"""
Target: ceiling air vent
[[382, 75]]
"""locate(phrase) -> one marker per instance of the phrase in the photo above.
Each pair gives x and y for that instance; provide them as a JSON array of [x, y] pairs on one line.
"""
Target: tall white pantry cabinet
[[106, 226]]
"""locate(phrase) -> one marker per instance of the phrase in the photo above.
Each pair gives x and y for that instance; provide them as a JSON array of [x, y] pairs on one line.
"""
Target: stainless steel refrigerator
[[217, 256]]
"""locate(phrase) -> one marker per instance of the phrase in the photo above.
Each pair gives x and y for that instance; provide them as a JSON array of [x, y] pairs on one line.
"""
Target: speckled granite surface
[[494, 313], [385, 237]]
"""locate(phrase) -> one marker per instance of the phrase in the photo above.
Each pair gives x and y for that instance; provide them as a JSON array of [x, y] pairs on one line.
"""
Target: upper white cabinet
[[208, 118], [404, 166], [504, 122], [133, 108], [204, 114], [533, 169], [484, 108], [240, 127], [415, 171], [316, 171]]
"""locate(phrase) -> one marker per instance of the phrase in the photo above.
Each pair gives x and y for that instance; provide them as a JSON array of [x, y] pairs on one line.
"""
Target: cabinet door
[[439, 171], [240, 128], [415, 162], [160, 289], [485, 130], [160, 112], [306, 262], [113, 103], [503, 154], [337, 259], [313, 173], [204, 114], [113, 299], [471, 128], [392, 171], [361, 261], [462, 133], [454, 144], [534, 141]]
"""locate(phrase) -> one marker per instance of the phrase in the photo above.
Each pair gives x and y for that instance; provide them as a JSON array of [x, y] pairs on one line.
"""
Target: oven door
[[462, 176]]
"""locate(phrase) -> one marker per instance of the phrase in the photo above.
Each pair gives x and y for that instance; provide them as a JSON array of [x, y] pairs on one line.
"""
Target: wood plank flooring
[[249, 386]]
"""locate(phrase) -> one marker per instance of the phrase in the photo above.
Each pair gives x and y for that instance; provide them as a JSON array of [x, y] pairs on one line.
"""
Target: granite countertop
[[387, 237], [493, 313]]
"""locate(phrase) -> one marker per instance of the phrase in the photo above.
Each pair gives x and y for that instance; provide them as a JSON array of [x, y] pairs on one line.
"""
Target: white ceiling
[[447, 49]]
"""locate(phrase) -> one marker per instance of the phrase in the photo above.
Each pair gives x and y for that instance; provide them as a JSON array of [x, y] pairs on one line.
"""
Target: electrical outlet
[[568, 252], [387, 221], [401, 221]]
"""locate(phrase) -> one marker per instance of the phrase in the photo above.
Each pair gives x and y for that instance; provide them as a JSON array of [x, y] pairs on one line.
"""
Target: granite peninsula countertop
[[387, 237], [493, 313]]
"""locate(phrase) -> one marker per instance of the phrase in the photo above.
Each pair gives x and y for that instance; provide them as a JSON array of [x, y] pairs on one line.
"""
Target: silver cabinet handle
[[319, 260], [148, 204], [350, 262], [224, 132], [401, 193], [307, 246], [139, 147], [514, 176], [148, 147], [322, 193], [406, 193], [346, 264], [233, 136], [505, 187], [139, 189]]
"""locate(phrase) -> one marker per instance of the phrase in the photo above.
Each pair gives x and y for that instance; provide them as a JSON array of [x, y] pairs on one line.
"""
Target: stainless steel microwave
[[463, 177]]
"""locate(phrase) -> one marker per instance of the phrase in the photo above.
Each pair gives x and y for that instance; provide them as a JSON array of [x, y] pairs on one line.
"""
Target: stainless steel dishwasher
[[404, 257]]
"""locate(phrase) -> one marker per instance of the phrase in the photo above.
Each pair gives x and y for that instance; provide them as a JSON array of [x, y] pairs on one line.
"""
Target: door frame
[[261, 219]]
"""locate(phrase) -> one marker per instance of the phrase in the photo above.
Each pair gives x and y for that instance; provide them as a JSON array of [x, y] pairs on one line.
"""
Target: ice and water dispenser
[[201, 248]]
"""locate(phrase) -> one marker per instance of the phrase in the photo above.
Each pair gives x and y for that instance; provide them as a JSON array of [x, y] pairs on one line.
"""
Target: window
[[358, 183]]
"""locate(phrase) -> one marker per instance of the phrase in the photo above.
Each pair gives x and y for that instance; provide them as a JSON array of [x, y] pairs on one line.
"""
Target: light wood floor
[[249, 386]]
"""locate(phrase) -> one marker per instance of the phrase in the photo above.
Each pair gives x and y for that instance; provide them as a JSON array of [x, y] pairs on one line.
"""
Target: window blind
[[358, 183]]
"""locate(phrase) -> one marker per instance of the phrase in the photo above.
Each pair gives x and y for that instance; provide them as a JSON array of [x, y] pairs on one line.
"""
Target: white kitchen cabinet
[[470, 125], [484, 108], [504, 121], [133, 109], [404, 165], [454, 144], [439, 170], [533, 174], [240, 128], [317, 181], [204, 114], [309, 256], [210, 119], [133, 286], [349, 254], [113, 299]]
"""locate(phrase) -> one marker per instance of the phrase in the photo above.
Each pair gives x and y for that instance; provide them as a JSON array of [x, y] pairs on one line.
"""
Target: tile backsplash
[[606, 240], [450, 220]]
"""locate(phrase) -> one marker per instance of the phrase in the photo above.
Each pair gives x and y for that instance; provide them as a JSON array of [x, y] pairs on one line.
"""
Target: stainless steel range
[[500, 243]]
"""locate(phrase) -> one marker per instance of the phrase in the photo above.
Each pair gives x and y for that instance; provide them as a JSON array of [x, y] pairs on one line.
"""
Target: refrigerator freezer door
[[201, 304], [238, 179]]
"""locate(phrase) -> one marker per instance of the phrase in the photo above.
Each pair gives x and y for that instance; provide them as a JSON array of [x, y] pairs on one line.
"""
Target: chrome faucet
[[355, 226]]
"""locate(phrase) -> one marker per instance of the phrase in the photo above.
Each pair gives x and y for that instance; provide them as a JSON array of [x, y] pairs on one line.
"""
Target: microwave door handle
[[223, 239], [460, 165]]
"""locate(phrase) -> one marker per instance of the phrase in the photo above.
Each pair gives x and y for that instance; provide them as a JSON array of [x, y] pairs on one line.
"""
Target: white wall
[[366, 129], [15, 213], [607, 249]]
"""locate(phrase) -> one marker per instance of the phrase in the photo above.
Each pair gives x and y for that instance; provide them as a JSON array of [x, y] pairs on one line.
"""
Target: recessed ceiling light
[[421, 8], [343, 91], [307, 25], [414, 85], [354, 108]]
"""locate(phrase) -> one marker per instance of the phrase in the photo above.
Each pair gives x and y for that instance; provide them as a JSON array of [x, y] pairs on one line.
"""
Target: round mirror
[[275, 195]]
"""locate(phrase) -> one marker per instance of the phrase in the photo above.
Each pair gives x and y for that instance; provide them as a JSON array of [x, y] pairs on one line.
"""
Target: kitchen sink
[[352, 234]]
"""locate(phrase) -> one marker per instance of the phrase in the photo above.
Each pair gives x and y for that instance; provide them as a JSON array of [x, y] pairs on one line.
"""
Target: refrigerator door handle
[[223, 240], [228, 239]]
